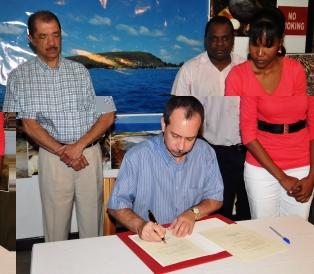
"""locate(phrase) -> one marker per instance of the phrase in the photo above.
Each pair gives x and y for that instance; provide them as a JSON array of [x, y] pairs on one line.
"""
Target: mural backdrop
[[117, 40]]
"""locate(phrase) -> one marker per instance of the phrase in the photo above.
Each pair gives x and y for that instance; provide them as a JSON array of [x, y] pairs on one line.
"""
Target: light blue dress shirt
[[151, 178]]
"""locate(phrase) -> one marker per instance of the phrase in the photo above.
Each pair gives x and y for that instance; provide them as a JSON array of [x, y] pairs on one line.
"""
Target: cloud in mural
[[10, 29], [115, 38], [141, 10], [163, 52], [63, 33], [197, 49], [76, 18], [142, 30], [103, 3], [92, 38], [176, 47], [127, 29], [188, 41], [166, 57], [146, 31], [61, 3], [98, 20], [80, 52]]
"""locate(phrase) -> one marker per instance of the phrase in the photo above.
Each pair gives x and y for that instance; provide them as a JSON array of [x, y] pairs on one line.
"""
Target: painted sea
[[134, 91]]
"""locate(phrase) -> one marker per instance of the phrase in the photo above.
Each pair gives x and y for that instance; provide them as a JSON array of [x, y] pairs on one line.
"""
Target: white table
[[7, 261], [110, 255]]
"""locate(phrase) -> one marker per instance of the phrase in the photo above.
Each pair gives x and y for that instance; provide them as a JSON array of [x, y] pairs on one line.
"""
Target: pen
[[152, 218], [284, 238]]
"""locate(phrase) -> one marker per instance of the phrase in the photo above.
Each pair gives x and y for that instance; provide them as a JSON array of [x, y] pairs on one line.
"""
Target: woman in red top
[[276, 122]]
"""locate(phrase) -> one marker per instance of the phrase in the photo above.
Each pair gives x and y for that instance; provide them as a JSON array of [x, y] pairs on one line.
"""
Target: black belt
[[239, 146], [90, 145], [281, 128]]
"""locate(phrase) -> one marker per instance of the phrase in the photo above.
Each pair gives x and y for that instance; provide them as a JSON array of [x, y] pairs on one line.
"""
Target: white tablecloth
[[110, 255]]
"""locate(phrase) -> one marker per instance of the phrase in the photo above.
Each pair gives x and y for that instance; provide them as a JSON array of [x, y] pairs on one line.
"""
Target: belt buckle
[[239, 146], [285, 128]]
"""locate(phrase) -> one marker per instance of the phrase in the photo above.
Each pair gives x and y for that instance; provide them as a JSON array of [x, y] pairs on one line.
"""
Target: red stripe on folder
[[157, 268]]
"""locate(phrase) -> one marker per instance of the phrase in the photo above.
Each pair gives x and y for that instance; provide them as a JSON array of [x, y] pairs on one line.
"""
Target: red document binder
[[157, 268]]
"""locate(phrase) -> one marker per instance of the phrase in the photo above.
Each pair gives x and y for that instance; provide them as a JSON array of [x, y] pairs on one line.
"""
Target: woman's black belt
[[281, 128]]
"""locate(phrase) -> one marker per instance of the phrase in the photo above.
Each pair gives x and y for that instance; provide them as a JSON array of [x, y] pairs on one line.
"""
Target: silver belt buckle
[[285, 129]]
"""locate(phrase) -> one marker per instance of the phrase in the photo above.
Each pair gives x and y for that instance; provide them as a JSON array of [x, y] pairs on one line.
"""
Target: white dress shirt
[[200, 78]]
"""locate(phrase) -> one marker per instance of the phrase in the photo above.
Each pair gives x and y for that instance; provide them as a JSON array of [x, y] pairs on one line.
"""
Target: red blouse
[[287, 150], [242, 81]]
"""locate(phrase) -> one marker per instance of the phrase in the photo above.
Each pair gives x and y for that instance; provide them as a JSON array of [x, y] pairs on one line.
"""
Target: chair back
[[109, 222]]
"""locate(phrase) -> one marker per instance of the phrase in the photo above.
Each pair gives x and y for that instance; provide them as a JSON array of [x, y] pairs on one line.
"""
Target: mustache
[[52, 47], [178, 151]]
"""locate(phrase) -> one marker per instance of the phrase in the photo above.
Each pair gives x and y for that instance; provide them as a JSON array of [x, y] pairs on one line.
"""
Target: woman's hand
[[302, 190], [288, 182]]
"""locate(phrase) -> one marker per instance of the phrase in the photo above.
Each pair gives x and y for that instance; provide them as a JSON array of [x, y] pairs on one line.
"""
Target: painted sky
[[172, 30]]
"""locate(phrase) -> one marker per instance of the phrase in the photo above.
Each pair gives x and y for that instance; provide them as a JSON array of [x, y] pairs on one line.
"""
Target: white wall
[[10, 142], [28, 207]]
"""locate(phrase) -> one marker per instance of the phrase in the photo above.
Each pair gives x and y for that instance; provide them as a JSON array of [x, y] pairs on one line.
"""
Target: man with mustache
[[56, 101], [204, 77], [174, 174]]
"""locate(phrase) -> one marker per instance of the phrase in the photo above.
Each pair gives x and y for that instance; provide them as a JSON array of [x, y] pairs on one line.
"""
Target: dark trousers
[[231, 164], [311, 216]]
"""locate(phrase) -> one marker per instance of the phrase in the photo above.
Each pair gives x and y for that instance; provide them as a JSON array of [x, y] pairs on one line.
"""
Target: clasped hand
[[72, 156], [301, 190]]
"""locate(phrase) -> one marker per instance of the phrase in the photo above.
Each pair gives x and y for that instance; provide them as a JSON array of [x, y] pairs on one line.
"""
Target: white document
[[242, 242], [181, 249]]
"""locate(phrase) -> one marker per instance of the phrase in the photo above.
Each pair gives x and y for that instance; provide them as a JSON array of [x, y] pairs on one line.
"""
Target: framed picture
[[239, 12]]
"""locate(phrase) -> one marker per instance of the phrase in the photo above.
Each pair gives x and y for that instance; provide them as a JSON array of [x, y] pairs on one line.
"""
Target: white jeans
[[267, 198]]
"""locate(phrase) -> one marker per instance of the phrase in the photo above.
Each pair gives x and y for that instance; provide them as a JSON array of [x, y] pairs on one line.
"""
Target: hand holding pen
[[152, 218]]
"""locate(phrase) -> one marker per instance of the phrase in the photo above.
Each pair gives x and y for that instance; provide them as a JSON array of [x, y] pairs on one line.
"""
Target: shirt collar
[[45, 67], [169, 159], [205, 59]]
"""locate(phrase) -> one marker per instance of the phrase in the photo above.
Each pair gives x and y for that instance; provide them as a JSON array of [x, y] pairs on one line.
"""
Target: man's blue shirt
[[151, 178]]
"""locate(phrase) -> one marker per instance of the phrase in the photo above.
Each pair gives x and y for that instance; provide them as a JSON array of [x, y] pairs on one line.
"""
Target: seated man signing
[[174, 174]]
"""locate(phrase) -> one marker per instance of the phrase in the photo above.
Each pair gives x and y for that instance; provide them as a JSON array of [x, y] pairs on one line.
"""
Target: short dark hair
[[43, 15], [222, 20], [270, 21], [191, 105]]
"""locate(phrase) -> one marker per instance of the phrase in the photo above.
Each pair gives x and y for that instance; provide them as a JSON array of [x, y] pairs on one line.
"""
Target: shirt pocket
[[87, 104]]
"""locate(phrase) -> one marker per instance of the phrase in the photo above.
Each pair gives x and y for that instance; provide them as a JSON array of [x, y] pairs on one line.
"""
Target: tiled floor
[[23, 262]]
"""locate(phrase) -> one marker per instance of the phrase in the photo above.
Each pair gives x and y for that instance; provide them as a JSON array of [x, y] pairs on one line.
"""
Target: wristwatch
[[196, 212]]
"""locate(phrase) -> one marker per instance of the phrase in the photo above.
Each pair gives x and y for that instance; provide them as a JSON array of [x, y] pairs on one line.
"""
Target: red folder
[[157, 268]]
